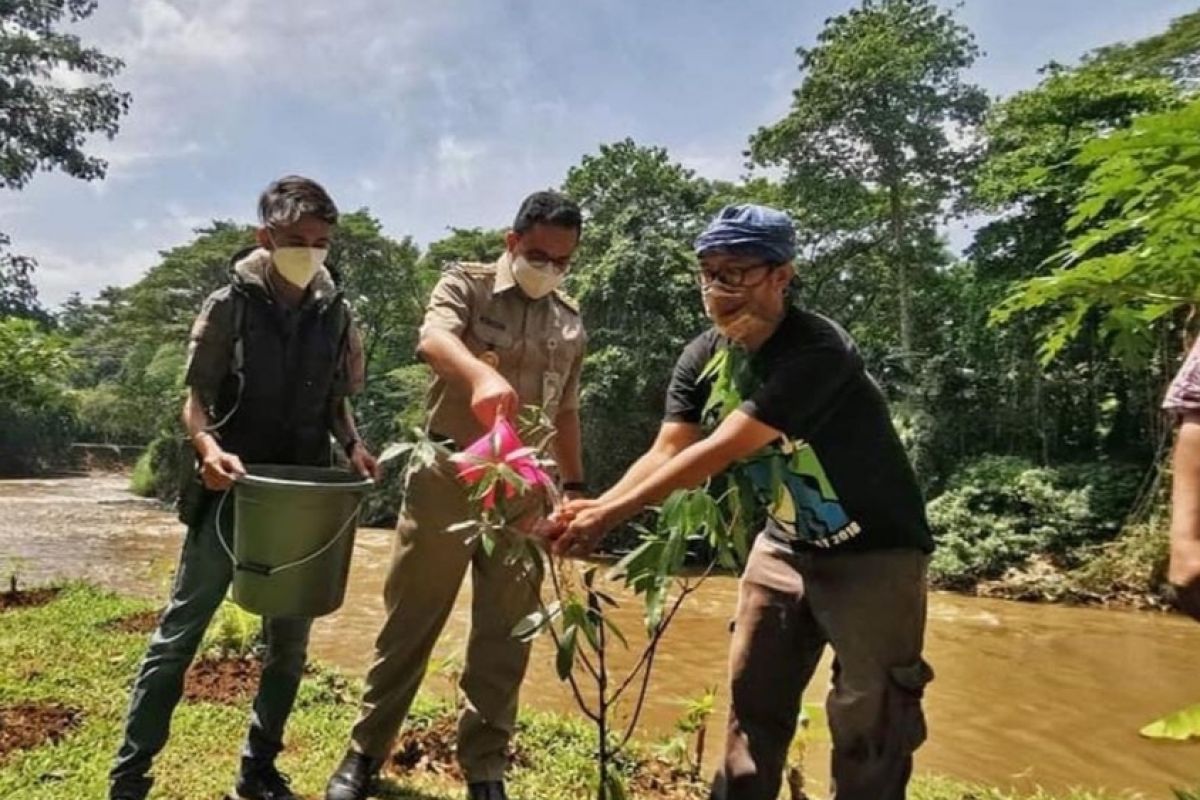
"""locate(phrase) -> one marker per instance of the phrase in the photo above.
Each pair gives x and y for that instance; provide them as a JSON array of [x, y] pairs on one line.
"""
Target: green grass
[[64, 654]]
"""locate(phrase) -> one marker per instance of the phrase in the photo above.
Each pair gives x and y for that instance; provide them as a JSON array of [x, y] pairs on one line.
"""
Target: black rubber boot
[[259, 780], [353, 778], [486, 790], [130, 788]]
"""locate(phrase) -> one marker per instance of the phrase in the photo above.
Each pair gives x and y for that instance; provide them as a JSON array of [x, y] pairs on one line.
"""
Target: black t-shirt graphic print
[[841, 480]]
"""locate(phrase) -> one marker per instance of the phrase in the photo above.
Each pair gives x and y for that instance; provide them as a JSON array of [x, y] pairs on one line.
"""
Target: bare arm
[[218, 469], [446, 354], [738, 436], [568, 447], [1184, 572], [341, 416], [345, 431]]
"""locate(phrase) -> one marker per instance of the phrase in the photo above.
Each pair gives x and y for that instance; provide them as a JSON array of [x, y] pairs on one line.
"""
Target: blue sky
[[446, 113]]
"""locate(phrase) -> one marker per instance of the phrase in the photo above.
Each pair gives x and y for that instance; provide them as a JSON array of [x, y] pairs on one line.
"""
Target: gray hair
[[291, 197]]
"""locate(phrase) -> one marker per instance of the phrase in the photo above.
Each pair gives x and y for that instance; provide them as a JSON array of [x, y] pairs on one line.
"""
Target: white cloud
[[725, 165], [457, 162], [188, 34], [59, 273]]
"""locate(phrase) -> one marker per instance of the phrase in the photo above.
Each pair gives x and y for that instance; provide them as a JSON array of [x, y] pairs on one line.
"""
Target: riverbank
[[1015, 704], [75, 659]]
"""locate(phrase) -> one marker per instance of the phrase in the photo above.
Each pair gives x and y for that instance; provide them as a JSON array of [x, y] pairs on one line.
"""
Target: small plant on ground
[[686, 748], [233, 633]]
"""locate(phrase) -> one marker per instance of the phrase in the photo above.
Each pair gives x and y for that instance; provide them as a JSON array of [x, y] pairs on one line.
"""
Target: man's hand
[[1184, 575], [588, 521], [493, 397], [219, 469], [363, 462]]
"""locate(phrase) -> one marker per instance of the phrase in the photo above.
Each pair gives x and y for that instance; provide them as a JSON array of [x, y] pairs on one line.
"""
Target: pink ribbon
[[500, 445]]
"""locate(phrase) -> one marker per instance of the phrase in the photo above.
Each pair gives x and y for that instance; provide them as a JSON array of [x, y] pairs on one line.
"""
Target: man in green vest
[[273, 359]]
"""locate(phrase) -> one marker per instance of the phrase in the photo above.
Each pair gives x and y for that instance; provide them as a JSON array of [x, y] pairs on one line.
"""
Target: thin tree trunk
[[903, 292], [602, 683]]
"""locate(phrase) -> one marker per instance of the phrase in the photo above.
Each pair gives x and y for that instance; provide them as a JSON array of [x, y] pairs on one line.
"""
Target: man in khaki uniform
[[498, 336]]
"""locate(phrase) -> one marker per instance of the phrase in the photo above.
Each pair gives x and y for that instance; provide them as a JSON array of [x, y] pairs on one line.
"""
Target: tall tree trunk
[[899, 253]]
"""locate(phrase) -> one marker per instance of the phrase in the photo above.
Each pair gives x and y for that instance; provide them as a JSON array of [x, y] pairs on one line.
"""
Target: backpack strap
[[237, 360]]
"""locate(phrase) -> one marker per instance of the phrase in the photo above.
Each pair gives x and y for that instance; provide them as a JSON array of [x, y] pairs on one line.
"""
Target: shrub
[[1000, 510], [37, 419]]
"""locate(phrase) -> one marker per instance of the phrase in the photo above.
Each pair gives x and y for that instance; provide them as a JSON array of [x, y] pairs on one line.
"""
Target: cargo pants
[[201, 580], [870, 608]]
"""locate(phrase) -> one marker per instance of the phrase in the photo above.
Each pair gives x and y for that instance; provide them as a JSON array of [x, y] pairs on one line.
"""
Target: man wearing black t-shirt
[[843, 558]]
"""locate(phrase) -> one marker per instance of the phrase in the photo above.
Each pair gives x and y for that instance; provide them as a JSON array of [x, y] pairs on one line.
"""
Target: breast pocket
[[489, 339], [564, 341]]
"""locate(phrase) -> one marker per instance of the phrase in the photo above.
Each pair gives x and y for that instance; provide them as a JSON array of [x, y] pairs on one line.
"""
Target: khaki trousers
[[428, 565], [870, 608]]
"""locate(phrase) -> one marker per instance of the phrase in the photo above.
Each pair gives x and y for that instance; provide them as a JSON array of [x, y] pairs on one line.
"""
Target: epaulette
[[566, 300], [476, 269]]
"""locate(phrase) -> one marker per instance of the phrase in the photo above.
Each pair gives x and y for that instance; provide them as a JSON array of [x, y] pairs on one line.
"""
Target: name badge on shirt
[[552, 386]]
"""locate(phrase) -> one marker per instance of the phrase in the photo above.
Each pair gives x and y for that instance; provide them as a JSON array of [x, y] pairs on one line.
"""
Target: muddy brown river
[[1026, 695]]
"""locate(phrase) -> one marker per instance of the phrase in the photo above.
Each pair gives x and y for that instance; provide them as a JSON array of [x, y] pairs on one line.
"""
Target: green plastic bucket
[[293, 535]]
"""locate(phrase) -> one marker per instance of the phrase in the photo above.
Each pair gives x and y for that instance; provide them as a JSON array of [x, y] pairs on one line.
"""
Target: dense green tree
[[385, 285], [36, 410], [465, 244], [634, 279], [45, 124], [882, 130], [1134, 247], [18, 295]]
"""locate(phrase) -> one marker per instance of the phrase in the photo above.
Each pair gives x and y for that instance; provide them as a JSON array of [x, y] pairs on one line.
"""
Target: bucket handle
[[263, 569]]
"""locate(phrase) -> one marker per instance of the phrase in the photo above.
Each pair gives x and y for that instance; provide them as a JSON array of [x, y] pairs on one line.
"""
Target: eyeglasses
[[560, 265], [732, 277]]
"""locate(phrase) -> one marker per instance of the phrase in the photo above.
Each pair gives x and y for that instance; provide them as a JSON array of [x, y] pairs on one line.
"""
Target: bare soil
[[28, 725]]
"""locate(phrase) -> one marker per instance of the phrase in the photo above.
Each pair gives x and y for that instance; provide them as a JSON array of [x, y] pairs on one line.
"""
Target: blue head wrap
[[750, 229]]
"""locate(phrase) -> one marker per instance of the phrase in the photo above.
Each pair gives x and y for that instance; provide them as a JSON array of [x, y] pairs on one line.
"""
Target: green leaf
[[533, 624], [576, 615], [638, 566], [395, 450], [1178, 726], [612, 628], [488, 543], [655, 599], [565, 659]]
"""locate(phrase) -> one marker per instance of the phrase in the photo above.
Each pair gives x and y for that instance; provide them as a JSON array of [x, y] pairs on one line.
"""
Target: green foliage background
[[1025, 375]]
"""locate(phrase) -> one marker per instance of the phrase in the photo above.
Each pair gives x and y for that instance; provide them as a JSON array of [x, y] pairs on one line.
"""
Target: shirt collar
[[504, 274]]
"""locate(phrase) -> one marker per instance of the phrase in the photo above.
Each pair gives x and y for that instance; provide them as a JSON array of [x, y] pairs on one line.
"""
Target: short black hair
[[293, 196], [549, 208]]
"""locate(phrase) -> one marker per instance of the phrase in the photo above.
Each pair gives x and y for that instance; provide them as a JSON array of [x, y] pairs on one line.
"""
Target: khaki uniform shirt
[[536, 345]]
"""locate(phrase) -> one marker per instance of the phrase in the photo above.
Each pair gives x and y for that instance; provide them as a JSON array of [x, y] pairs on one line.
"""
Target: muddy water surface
[[1026, 694]]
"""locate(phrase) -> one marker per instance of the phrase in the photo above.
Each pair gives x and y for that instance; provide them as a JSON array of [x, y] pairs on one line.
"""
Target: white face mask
[[536, 278], [298, 265]]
